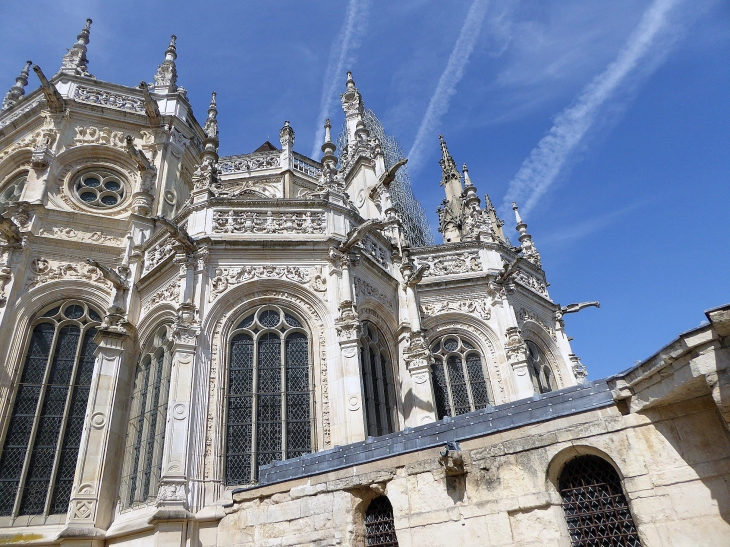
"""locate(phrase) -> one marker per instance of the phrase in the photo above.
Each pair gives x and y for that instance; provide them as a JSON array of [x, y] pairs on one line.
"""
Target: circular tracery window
[[100, 188], [12, 191]]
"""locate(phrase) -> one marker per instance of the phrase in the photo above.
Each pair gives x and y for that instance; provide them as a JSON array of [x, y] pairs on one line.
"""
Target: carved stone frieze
[[85, 94], [168, 492], [248, 162], [97, 237], [531, 282], [44, 270], [474, 306], [365, 289], [158, 253], [451, 264], [257, 222], [170, 293], [227, 277], [90, 134], [271, 187], [527, 315], [27, 107]]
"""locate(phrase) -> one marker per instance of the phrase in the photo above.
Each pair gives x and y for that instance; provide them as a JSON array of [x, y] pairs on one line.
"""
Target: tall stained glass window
[[459, 381], [377, 377], [148, 417], [41, 444], [269, 397], [540, 372]]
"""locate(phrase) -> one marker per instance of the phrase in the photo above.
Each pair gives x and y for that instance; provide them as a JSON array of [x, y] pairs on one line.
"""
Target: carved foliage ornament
[[531, 282], [479, 307], [451, 264], [227, 277], [526, 315], [44, 270], [256, 222], [90, 95], [169, 293], [272, 187], [70, 233], [251, 162], [365, 289]]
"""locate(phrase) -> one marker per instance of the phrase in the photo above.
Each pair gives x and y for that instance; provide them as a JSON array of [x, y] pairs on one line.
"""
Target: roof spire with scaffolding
[[75, 61]]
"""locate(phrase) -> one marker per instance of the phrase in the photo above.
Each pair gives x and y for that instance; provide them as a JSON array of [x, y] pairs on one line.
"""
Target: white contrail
[[451, 76], [347, 41], [543, 165]]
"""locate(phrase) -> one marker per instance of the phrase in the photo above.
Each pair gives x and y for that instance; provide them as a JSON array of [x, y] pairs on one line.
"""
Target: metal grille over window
[[377, 377], [379, 525], [269, 402], [148, 415], [542, 376], [38, 460], [459, 379], [595, 507]]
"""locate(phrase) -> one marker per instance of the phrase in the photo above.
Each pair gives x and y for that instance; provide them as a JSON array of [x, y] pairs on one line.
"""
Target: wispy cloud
[[341, 52], [540, 169], [446, 87]]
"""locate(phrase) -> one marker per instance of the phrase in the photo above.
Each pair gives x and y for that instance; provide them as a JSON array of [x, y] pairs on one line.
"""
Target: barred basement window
[[542, 376], [41, 445], [595, 506], [459, 383], [269, 402], [377, 377], [379, 525], [148, 416]]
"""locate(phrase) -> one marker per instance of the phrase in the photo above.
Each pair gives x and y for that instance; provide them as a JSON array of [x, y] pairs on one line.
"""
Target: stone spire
[[353, 106], [328, 148], [166, 75], [211, 123], [15, 94], [529, 251], [470, 191], [451, 210], [75, 61]]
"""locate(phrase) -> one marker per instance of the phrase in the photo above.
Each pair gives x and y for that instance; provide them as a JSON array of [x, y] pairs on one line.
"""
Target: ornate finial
[[448, 165], [211, 124], [75, 61], [467, 179], [529, 250], [286, 135], [15, 94], [166, 75], [517, 216], [327, 131], [328, 148], [350, 83]]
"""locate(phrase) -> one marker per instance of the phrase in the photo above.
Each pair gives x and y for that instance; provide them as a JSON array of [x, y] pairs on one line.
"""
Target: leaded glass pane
[[479, 392], [595, 507], [42, 459], [240, 417], [269, 318], [23, 415], [459, 393], [292, 321], [379, 524], [298, 422], [440, 389], [269, 417], [246, 322], [379, 392]]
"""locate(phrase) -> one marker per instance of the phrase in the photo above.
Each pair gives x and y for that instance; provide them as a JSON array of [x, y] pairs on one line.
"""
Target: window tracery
[[148, 416], [100, 188], [377, 377], [542, 377], [379, 523], [13, 190], [459, 379], [41, 445], [595, 507], [269, 395]]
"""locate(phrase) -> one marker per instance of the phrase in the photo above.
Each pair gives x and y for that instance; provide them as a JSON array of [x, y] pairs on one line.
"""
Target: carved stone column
[[516, 350], [94, 495], [418, 359]]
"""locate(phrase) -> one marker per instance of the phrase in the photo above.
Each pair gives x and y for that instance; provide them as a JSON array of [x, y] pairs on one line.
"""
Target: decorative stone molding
[[248, 162], [417, 354], [451, 264], [171, 492], [45, 270], [158, 253], [527, 315], [271, 187], [85, 94], [227, 277], [365, 289], [256, 222], [19, 112], [375, 251], [94, 135], [326, 422], [515, 345], [99, 238], [170, 293], [478, 307], [531, 282], [306, 168], [579, 369]]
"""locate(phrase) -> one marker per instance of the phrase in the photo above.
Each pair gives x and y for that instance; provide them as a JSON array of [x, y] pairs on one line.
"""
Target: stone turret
[[450, 212]]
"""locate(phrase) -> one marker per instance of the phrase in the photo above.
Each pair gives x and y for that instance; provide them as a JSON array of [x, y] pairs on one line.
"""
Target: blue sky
[[609, 121]]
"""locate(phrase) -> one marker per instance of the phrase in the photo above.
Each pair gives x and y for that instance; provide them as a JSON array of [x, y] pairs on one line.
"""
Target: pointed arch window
[[595, 507], [379, 523], [41, 445], [142, 465], [542, 377], [459, 379], [377, 377], [269, 395]]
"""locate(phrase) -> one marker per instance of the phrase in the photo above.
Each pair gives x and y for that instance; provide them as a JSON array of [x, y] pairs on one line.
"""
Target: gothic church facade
[[268, 349]]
